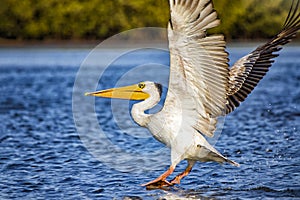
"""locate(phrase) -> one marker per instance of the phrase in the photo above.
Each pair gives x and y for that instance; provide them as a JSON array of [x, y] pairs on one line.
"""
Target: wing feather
[[199, 70], [247, 72]]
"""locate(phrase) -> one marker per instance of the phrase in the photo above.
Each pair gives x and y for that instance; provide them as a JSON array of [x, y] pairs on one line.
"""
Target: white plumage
[[202, 87]]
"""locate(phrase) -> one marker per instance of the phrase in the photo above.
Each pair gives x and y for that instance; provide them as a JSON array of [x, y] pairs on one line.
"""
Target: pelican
[[202, 86]]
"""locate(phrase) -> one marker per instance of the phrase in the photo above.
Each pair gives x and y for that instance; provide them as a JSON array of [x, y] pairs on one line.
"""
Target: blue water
[[44, 139]]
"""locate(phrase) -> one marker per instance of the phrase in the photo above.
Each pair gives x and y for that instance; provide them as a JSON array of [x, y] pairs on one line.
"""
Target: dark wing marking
[[249, 70]]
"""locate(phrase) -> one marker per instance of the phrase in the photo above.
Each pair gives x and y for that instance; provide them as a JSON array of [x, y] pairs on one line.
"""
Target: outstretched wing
[[249, 70], [199, 70]]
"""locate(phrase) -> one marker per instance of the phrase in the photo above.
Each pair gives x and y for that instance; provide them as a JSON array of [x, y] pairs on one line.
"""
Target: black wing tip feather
[[289, 31], [293, 18], [292, 23]]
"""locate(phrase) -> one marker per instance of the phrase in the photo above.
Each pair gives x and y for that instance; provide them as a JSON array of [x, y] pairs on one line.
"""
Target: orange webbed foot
[[176, 180]]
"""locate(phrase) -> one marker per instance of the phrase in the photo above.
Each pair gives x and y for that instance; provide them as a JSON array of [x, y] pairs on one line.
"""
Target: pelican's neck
[[138, 109]]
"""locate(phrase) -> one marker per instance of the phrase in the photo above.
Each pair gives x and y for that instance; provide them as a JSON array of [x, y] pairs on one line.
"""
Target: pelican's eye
[[142, 85]]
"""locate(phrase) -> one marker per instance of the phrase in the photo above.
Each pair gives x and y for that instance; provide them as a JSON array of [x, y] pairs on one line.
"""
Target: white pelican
[[202, 87]]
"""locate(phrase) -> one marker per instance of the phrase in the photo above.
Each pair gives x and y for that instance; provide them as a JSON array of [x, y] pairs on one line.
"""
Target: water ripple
[[42, 156]]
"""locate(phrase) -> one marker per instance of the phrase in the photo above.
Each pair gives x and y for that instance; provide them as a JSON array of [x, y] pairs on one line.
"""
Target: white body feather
[[201, 85]]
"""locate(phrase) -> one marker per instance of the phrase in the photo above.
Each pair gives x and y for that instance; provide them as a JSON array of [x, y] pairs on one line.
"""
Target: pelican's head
[[140, 91]]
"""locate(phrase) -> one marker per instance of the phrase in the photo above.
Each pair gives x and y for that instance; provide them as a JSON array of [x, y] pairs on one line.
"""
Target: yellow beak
[[133, 92]]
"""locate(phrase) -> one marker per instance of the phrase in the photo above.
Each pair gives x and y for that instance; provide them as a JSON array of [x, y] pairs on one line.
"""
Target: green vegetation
[[99, 19]]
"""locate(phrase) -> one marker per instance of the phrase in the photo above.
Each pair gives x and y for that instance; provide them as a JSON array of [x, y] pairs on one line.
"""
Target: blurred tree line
[[99, 19]]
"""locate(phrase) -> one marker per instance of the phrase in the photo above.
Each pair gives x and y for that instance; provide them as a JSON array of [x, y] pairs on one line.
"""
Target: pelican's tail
[[232, 162], [218, 157], [214, 155]]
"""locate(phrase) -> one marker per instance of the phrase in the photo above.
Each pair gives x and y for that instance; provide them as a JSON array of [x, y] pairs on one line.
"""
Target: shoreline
[[121, 44], [4, 43]]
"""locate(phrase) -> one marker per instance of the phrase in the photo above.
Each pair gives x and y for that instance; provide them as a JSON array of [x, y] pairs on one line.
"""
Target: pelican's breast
[[166, 125]]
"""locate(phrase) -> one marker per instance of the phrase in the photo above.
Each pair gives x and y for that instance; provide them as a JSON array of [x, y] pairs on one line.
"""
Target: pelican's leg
[[161, 180], [187, 170]]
